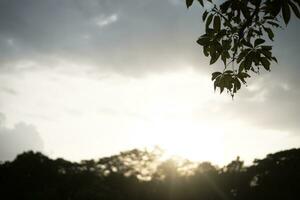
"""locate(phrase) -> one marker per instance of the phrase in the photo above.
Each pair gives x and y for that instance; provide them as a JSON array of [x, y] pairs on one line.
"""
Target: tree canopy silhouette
[[236, 32], [34, 176]]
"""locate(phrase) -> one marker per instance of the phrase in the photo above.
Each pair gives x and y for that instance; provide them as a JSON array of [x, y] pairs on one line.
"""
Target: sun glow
[[124, 113], [190, 140]]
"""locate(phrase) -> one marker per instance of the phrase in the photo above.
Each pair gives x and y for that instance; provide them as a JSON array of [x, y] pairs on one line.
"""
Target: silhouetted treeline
[[142, 175]]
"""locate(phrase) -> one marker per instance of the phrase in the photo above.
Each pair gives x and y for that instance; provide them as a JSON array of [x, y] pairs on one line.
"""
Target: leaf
[[242, 67], [275, 59], [189, 3], [208, 20], [274, 7], [226, 44], [248, 44], [201, 2], [269, 32], [266, 53], [273, 24], [224, 57], [242, 55], [264, 61], [258, 41], [298, 2], [216, 83], [218, 46], [295, 9], [215, 75], [245, 11], [266, 47], [286, 13], [248, 62], [228, 72], [203, 41], [217, 23], [205, 51], [236, 85], [214, 58], [242, 76], [224, 6], [204, 15]]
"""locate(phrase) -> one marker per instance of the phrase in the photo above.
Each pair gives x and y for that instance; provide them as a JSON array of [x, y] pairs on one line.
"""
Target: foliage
[[35, 176], [236, 32]]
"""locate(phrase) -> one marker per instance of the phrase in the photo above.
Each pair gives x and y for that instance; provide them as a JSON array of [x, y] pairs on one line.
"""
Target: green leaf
[[248, 63], [275, 59], [242, 67], [266, 47], [295, 9], [228, 72], [217, 23], [236, 85], [201, 2], [258, 41], [245, 11], [216, 83], [204, 15], [286, 13], [242, 76], [274, 7], [208, 20], [225, 6], [269, 32], [205, 51], [203, 41], [214, 58], [242, 55], [298, 2], [265, 62], [266, 53], [273, 24], [224, 57], [246, 43], [215, 75], [189, 3]]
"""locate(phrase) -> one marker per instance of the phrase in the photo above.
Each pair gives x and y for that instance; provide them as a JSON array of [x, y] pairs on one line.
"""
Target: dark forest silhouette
[[141, 174]]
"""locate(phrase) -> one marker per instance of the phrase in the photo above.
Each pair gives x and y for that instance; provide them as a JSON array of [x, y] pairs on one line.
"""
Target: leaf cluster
[[238, 33]]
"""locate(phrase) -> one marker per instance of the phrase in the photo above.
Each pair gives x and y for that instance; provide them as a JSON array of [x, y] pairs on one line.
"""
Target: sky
[[86, 79]]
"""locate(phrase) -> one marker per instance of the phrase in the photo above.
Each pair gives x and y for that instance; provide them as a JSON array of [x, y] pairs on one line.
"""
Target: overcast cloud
[[22, 137], [66, 61]]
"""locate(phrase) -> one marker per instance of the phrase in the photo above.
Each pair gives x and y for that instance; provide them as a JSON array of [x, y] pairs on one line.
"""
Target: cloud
[[267, 103], [104, 21], [139, 36], [22, 137]]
